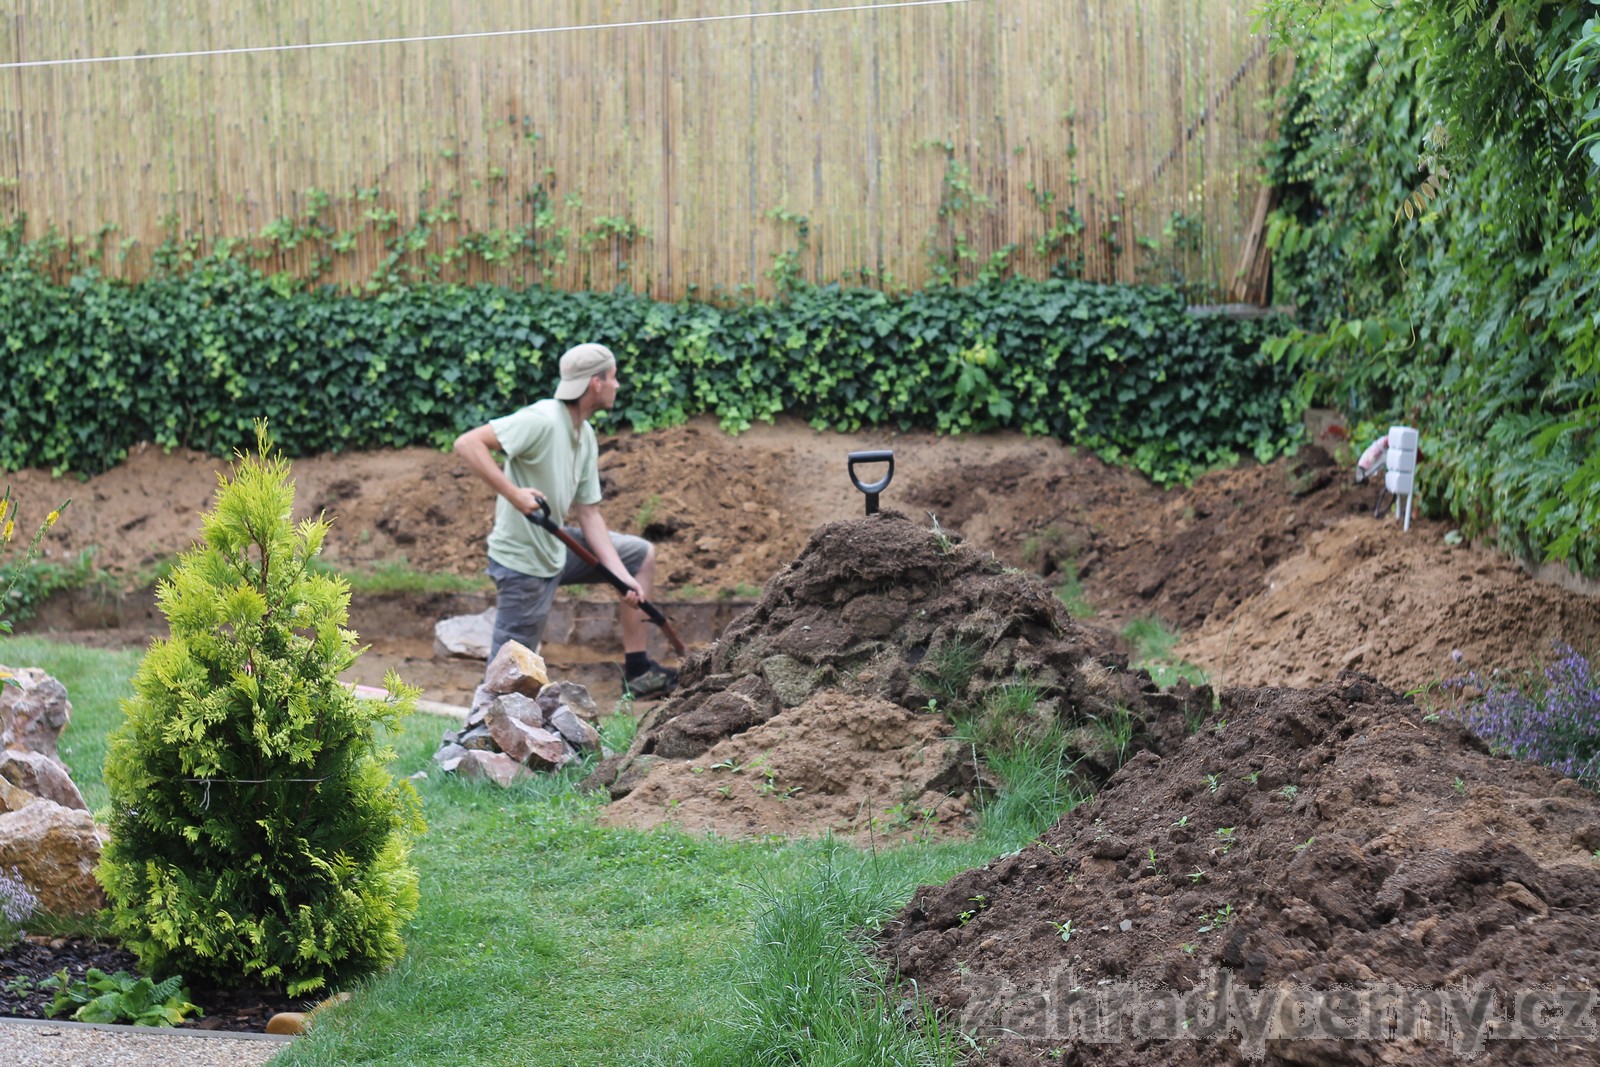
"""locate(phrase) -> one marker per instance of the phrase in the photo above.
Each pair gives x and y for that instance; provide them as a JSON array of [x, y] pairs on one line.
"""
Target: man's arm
[[476, 448], [598, 535]]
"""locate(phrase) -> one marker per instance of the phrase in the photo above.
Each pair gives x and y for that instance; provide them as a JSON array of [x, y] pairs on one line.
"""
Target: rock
[[477, 739], [14, 798], [33, 712], [287, 1022], [537, 747], [496, 767], [571, 694], [516, 669], [518, 706], [54, 850], [42, 776], [449, 751], [578, 733], [464, 636], [517, 726]]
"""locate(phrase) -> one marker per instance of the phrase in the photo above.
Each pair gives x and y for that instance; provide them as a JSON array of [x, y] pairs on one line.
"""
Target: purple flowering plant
[[17, 905], [1549, 716]]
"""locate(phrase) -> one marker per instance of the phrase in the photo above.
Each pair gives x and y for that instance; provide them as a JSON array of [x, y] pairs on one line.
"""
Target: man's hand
[[525, 500], [634, 595]]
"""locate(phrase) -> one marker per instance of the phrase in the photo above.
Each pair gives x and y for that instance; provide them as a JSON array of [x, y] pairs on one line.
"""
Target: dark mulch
[[32, 960]]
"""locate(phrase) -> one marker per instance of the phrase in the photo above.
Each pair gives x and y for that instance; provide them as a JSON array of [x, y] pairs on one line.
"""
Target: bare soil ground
[[1320, 831], [1273, 574]]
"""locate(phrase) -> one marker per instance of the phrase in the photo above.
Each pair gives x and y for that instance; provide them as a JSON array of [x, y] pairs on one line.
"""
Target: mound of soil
[[1334, 839], [878, 619], [1362, 594]]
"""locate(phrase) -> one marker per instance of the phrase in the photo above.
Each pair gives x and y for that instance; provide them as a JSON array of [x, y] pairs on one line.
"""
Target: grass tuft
[[1152, 645]]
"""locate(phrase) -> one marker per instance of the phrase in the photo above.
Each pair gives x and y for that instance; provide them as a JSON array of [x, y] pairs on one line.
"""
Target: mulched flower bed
[[34, 959]]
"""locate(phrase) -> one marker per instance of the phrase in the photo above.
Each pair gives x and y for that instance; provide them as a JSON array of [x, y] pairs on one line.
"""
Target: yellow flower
[[5, 506], [11, 526], [50, 520]]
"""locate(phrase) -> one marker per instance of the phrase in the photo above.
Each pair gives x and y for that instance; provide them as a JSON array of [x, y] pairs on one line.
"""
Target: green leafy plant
[[119, 998], [18, 572], [255, 832]]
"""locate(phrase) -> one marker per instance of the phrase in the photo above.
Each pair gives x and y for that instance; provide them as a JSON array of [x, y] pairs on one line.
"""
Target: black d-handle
[[872, 489]]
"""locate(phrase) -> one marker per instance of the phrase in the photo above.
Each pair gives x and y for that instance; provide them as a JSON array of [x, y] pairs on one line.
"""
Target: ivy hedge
[[192, 359], [1440, 168]]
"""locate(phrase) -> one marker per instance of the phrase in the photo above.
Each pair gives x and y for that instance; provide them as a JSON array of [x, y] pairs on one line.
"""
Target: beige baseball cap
[[578, 365]]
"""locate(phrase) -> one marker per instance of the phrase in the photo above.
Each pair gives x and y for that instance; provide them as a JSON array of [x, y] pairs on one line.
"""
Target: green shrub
[[256, 835], [1438, 229], [191, 360]]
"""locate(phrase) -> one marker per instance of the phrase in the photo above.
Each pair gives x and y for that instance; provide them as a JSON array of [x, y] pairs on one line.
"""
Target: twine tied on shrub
[[205, 801]]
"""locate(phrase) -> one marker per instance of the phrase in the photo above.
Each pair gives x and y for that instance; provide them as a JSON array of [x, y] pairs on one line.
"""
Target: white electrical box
[[1400, 463]]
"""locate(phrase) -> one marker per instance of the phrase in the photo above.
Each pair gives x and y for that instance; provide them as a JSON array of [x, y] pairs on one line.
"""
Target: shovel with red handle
[[541, 518]]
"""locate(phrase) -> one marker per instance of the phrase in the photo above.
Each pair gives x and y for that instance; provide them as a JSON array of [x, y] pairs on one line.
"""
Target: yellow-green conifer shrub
[[257, 836]]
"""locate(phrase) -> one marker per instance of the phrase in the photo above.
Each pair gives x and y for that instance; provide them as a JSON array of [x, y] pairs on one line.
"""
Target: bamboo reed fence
[[668, 158]]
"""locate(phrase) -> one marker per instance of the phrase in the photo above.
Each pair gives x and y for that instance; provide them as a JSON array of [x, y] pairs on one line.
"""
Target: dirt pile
[[1335, 840], [885, 625], [1361, 594]]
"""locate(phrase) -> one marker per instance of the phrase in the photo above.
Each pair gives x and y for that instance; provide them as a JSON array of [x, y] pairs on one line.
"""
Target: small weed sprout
[[1460, 787], [1064, 929], [1290, 791], [1196, 875], [1213, 782], [945, 542], [1181, 821], [647, 511], [1307, 843]]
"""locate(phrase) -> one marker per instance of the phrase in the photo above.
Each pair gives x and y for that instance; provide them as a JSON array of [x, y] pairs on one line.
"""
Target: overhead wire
[[257, 49]]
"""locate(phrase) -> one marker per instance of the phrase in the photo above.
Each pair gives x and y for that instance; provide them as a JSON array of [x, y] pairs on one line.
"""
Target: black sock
[[635, 664]]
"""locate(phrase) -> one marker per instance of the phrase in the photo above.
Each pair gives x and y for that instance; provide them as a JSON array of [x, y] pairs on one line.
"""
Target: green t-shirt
[[544, 451]]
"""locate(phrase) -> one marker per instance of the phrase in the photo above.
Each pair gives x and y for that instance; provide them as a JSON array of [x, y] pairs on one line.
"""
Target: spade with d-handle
[[872, 489], [541, 518]]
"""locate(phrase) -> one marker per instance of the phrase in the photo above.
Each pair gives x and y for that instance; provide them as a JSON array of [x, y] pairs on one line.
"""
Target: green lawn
[[543, 938]]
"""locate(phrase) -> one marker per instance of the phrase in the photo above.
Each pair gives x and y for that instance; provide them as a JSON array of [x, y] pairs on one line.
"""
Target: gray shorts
[[522, 603]]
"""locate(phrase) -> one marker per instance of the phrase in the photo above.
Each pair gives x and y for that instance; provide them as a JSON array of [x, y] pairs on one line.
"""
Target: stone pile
[[521, 723], [47, 835]]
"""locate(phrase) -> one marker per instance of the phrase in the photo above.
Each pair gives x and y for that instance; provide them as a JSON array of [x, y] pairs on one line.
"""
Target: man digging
[[552, 457]]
